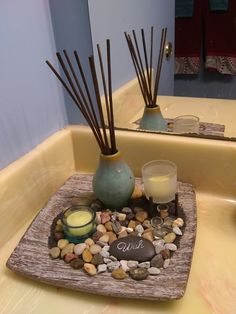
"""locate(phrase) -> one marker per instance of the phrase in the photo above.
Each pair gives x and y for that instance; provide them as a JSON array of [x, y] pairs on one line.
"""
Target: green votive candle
[[78, 223]]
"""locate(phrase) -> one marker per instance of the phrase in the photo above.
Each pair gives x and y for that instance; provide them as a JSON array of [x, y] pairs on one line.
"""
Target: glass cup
[[186, 124], [160, 180], [78, 223]]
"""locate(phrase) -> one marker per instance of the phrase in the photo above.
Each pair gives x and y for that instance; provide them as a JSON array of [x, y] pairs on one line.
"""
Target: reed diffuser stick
[[81, 96], [145, 77]]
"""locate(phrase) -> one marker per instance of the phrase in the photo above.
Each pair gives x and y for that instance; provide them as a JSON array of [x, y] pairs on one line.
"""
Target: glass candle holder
[[78, 223], [160, 180], [186, 124]]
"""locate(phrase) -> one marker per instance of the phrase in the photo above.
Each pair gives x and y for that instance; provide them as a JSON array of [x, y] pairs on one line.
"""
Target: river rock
[[79, 248], [121, 216], [89, 242], [124, 265], [55, 252], [104, 238], [138, 273], [170, 237], [101, 268], [154, 271], [105, 254], [126, 210], [116, 226], [69, 248], [97, 259], [87, 256], [148, 235], [113, 265], [178, 223], [157, 261], [96, 236], [166, 263], [144, 265], [101, 228], [119, 273], [141, 216], [139, 229], [171, 246], [108, 226], [147, 224], [165, 253], [90, 269], [177, 231], [95, 249], [69, 257], [77, 263], [132, 248], [105, 217], [58, 235], [132, 264], [62, 243]]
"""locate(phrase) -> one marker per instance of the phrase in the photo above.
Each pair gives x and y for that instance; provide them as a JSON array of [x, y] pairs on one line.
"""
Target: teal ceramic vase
[[113, 181], [153, 120]]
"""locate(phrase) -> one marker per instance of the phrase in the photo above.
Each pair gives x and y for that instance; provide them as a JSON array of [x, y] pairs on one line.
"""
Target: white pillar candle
[[160, 180]]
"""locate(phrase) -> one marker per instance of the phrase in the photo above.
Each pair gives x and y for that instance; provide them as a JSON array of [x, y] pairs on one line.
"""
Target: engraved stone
[[132, 248]]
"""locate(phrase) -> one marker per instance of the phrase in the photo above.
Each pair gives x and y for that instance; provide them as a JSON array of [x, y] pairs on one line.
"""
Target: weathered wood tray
[[31, 259]]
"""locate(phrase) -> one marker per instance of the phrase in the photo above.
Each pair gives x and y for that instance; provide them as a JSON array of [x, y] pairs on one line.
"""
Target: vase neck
[[115, 156]]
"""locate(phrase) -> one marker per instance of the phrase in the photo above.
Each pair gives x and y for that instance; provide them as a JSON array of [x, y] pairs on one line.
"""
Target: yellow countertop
[[211, 286]]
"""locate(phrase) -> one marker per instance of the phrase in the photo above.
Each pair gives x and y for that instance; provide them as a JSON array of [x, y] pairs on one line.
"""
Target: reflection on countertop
[[129, 106]]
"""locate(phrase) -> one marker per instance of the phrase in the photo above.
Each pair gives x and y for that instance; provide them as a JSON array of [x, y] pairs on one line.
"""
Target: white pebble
[[129, 230], [178, 222], [105, 253], [154, 271], [102, 268], [113, 258], [139, 229], [107, 260], [132, 264], [159, 248], [113, 265], [177, 231], [106, 248], [171, 246], [158, 242], [166, 263], [79, 248], [144, 265], [124, 265]]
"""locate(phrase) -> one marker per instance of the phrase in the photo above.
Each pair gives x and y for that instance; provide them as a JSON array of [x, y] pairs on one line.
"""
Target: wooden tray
[[31, 259]]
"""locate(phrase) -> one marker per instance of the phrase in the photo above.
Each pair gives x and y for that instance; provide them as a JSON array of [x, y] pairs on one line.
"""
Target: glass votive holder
[[160, 180], [78, 223], [157, 228], [186, 124]]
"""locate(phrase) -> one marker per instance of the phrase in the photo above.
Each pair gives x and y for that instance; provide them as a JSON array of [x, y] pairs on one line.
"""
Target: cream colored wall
[[210, 165]]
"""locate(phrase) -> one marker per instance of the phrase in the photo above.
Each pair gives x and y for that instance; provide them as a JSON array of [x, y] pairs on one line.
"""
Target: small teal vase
[[113, 181], [153, 120]]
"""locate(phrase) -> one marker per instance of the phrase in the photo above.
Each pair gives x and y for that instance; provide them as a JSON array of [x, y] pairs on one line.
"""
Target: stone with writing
[[133, 248]]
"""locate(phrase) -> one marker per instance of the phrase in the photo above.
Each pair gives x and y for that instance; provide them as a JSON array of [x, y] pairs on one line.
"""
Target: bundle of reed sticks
[[77, 87], [144, 68]]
